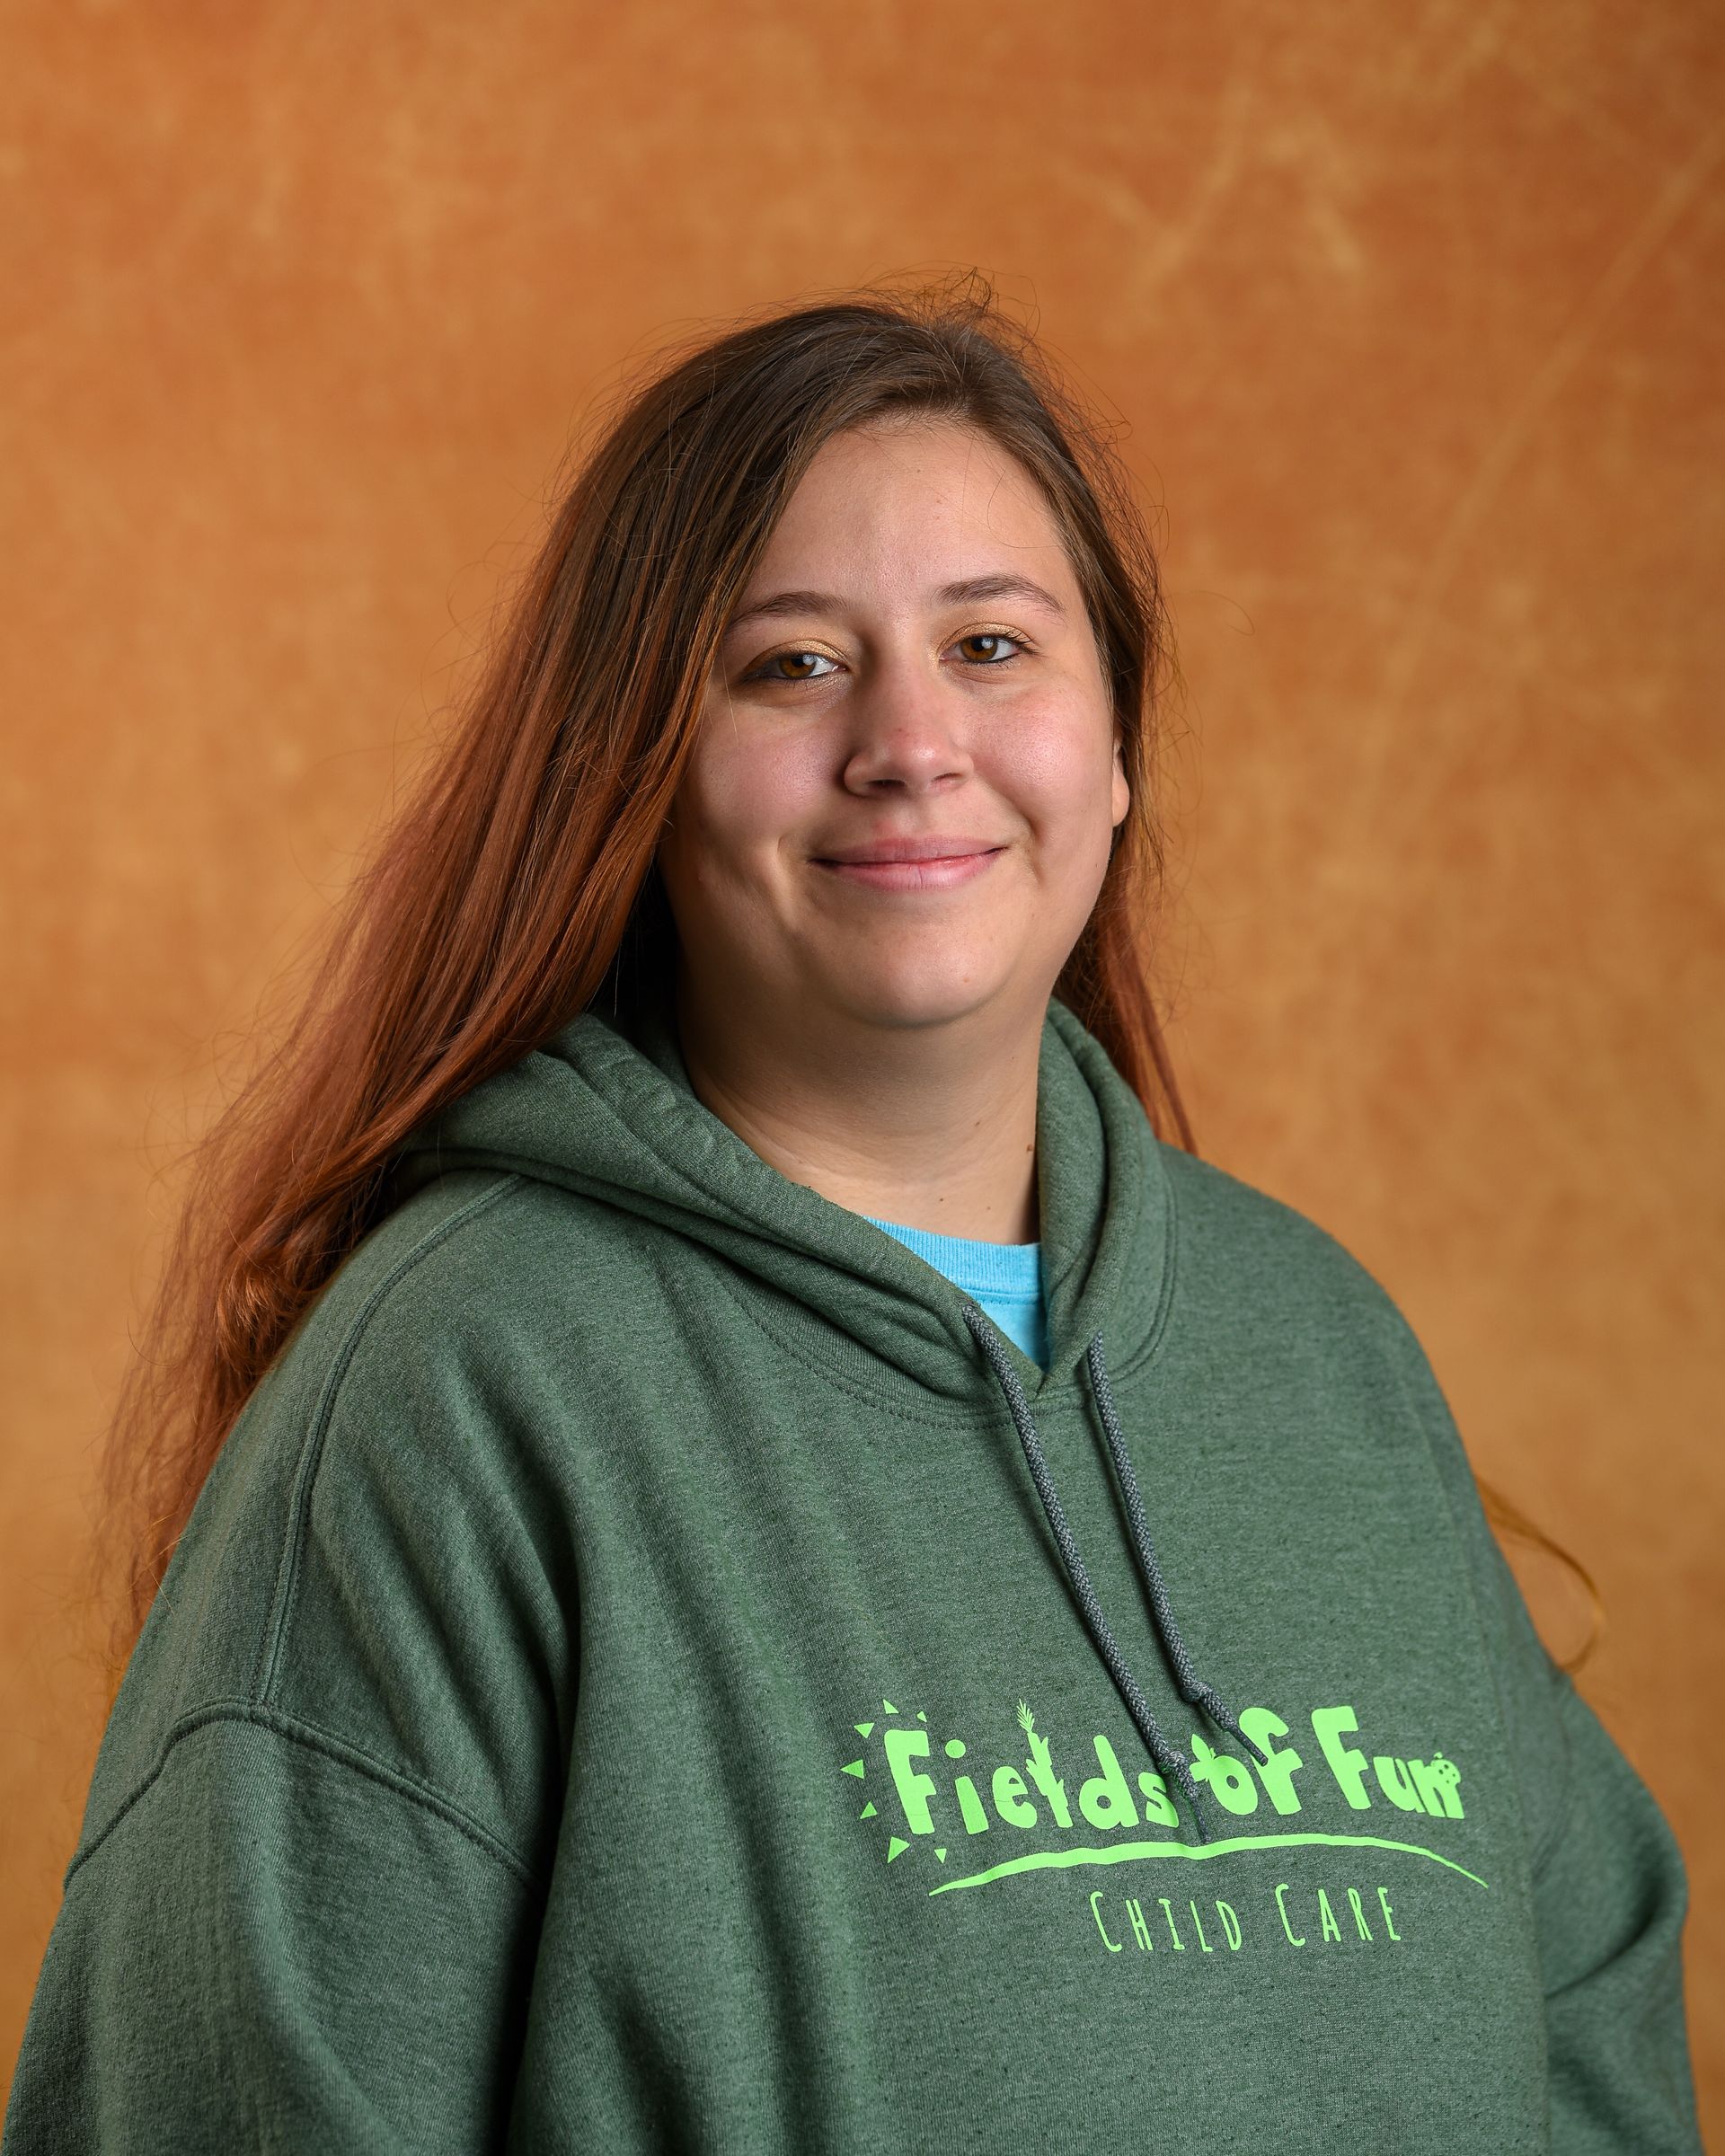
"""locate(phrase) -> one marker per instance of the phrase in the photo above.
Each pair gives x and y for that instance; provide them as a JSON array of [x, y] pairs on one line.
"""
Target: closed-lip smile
[[936, 862], [938, 845]]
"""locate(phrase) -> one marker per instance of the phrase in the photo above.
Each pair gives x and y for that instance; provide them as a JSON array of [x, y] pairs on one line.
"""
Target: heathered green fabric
[[619, 1691]]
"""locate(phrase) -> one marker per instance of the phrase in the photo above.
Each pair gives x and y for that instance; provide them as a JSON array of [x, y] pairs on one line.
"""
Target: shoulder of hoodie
[[1256, 1273], [1256, 1259], [453, 1296], [398, 1356], [390, 1409], [459, 1268]]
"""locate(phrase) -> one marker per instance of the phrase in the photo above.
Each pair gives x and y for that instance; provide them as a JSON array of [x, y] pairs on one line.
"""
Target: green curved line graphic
[[1047, 1858]]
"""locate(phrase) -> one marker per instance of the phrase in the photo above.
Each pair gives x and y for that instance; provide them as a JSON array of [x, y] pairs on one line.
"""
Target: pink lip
[[922, 871]]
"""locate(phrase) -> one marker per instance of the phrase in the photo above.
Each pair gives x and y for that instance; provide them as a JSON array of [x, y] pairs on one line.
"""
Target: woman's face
[[911, 667]]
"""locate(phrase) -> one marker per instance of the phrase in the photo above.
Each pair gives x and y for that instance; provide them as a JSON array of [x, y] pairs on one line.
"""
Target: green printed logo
[[1025, 1813]]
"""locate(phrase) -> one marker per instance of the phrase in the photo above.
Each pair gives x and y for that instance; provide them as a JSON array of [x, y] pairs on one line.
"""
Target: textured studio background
[[1413, 315]]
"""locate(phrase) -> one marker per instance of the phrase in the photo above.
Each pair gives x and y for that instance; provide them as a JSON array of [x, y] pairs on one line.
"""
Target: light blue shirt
[[1005, 1277]]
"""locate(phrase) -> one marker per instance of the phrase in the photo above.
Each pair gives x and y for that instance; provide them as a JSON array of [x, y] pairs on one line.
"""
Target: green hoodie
[[653, 1667]]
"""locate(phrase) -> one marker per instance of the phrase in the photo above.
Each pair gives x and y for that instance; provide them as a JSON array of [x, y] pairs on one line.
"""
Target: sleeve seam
[[314, 1739], [300, 1512]]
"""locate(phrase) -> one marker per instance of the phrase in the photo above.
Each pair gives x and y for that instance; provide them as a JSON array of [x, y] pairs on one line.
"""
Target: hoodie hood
[[611, 1112]]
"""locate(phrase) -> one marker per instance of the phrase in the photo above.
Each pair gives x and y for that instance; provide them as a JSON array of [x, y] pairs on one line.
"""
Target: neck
[[931, 1126]]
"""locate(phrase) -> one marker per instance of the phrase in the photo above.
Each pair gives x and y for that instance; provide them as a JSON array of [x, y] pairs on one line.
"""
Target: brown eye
[[767, 669], [996, 637]]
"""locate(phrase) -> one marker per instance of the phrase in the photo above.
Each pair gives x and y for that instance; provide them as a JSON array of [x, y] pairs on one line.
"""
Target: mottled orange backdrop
[[1413, 316]]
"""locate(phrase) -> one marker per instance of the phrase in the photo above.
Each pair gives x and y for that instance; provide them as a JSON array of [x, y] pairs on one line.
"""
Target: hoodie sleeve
[[275, 1947], [1610, 1890], [305, 1907]]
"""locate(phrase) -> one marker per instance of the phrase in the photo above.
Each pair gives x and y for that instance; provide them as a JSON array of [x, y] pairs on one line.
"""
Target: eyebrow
[[972, 591]]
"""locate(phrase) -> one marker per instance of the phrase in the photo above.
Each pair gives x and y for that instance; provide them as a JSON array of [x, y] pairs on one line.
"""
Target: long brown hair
[[519, 886]]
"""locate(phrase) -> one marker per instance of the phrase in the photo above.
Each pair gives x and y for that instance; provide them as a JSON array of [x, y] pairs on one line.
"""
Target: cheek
[[1054, 764], [746, 789]]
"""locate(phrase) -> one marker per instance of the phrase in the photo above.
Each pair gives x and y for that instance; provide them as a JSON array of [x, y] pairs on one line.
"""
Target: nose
[[905, 729]]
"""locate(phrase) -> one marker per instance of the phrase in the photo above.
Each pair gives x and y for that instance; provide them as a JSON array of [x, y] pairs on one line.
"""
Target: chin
[[931, 996]]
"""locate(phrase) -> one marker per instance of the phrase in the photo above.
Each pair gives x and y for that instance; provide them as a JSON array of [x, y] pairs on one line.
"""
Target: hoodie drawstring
[[1193, 1687]]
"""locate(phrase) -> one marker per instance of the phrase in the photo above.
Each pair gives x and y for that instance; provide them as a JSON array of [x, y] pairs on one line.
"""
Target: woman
[[774, 1566]]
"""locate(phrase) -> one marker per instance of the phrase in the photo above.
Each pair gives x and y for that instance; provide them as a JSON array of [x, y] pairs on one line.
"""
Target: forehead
[[915, 486]]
